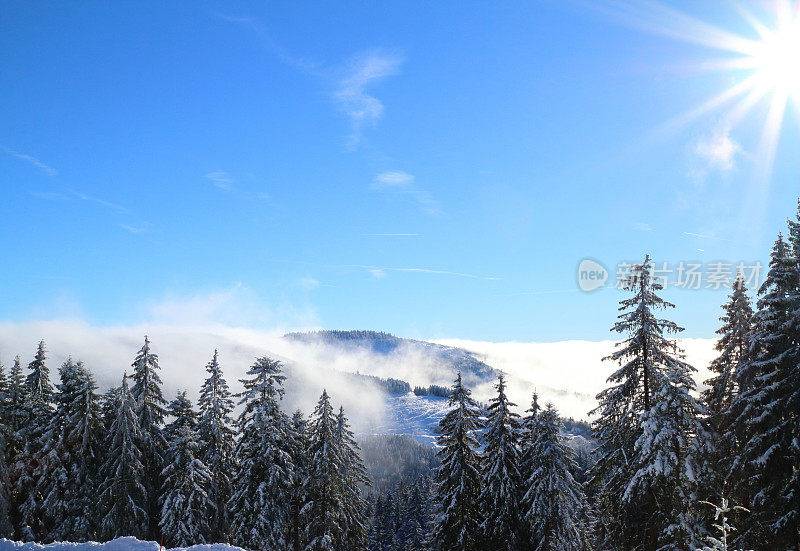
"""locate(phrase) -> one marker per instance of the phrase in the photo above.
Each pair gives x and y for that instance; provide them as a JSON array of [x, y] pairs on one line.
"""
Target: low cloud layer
[[568, 373]]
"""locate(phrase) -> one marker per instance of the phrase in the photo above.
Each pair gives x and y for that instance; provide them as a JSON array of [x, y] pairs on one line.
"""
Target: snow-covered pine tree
[[354, 478], [33, 435], [56, 468], [322, 512], [38, 380], [664, 465], [722, 524], [300, 444], [109, 404], [717, 446], [6, 528], [187, 510], [766, 413], [458, 519], [217, 441], [85, 434], [502, 482], [150, 412], [646, 356], [183, 415], [122, 493], [260, 500], [789, 522], [554, 501], [17, 415]]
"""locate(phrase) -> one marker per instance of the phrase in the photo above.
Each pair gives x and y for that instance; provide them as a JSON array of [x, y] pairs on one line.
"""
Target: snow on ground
[[412, 415], [119, 544]]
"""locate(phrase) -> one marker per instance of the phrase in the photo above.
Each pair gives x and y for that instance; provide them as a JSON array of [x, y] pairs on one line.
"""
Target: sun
[[776, 57], [762, 67]]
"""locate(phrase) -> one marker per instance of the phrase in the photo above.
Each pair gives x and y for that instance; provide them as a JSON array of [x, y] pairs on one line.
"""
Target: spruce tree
[[502, 480], [766, 413], [458, 518], [85, 434], [554, 501], [354, 478], [150, 412], [30, 465], [300, 444], [38, 380], [718, 445], [262, 480], [57, 466], [123, 494], [6, 528], [647, 357], [183, 415], [17, 413], [187, 510], [322, 512], [664, 465], [217, 434]]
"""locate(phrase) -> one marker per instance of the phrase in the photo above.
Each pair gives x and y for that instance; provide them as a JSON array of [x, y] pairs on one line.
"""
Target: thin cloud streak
[[50, 171], [404, 183]]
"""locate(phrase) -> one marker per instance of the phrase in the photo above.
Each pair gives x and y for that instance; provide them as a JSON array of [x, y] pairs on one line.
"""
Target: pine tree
[[123, 494], [183, 416], [554, 500], [718, 444], [150, 412], [322, 512], [300, 444], [187, 510], [217, 434], [85, 434], [664, 466], [647, 357], [457, 524], [17, 416], [263, 475], [354, 477], [29, 465], [38, 380], [57, 466], [6, 528], [502, 480], [766, 413]]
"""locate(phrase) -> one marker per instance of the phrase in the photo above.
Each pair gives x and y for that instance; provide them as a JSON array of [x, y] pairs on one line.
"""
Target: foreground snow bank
[[119, 544]]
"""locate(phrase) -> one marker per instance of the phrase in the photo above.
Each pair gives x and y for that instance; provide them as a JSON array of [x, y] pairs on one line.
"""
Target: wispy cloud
[[642, 226], [352, 95], [50, 171], [102, 202], [221, 179], [380, 272], [714, 152], [49, 195], [392, 235], [349, 83], [404, 183], [142, 228]]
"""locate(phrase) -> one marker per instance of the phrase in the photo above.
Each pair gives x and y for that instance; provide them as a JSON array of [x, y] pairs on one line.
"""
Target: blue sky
[[430, 169]]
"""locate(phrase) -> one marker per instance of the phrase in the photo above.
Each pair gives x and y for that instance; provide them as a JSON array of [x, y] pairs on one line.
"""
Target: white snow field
[[119, 544]]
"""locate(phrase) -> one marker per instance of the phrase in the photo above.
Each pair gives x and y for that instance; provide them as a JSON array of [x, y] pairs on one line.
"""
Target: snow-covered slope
[[119, 544], [412, 415]]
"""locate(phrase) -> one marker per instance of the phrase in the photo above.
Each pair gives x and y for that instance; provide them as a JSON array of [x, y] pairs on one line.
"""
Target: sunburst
[[765, 67]]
